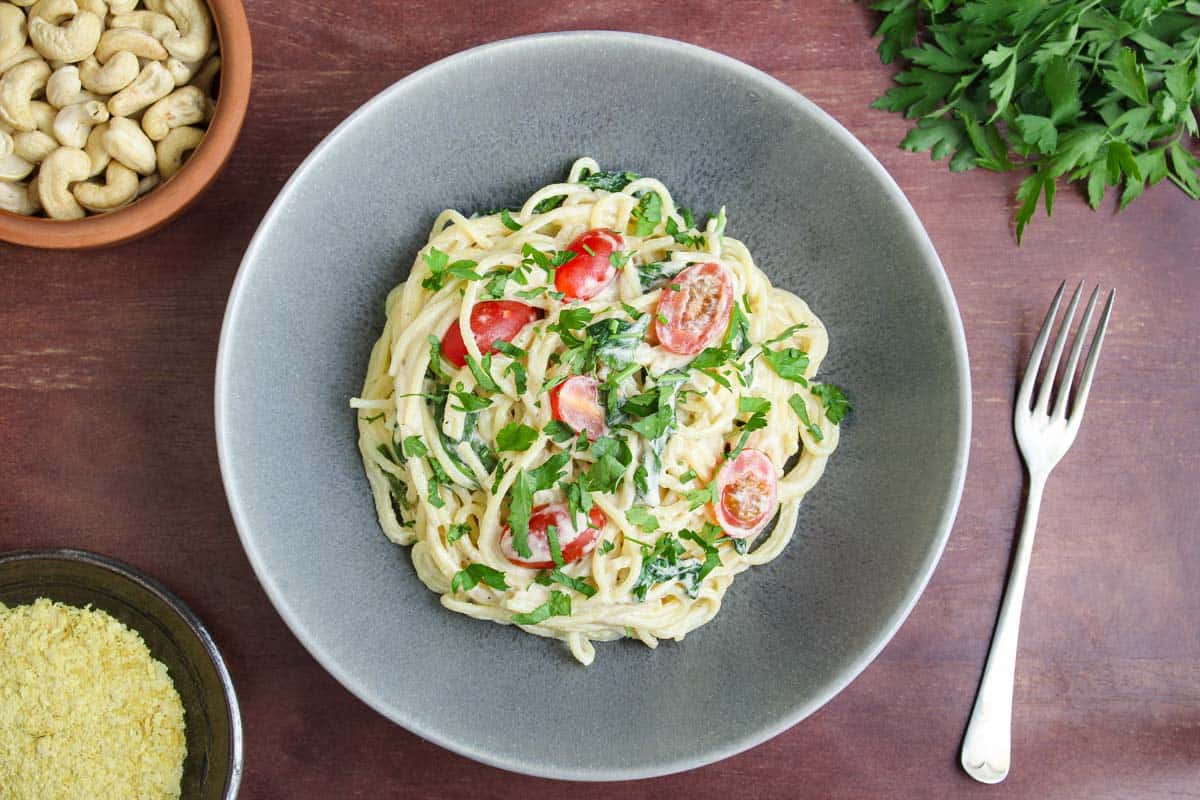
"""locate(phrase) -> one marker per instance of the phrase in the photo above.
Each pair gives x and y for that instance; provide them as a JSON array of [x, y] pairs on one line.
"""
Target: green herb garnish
[[559, 605], [467, 579], [647, 214], [508, 221], [798, 405], [834, 399], [515, 437]]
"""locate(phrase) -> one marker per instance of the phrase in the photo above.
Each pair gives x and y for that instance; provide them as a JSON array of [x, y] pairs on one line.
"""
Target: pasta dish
[[587, 415]]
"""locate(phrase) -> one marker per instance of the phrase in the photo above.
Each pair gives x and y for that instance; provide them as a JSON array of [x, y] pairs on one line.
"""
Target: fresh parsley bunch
[[1100, 91]]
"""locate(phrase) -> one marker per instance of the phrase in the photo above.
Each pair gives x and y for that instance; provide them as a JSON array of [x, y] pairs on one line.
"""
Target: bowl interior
[[213, 763], [481, 130]]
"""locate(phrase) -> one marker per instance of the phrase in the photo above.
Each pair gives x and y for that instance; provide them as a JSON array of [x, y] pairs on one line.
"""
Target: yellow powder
[[86, 713]]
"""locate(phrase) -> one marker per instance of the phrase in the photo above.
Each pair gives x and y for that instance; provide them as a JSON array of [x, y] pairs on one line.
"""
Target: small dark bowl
[[175, 636]]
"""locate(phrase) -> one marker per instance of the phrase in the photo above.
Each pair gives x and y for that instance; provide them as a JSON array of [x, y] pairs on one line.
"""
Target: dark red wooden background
[[106, 442]]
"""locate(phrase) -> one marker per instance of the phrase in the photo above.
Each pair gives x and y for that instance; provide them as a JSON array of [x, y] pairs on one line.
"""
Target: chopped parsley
[[559, 431], [508, 221], [606, 547], [787, 333], [666, 561], [688, 476], [436, 358], [757, 408], [515, 437], [788, 363], [698, 497], [834, 400], [440, 269], [640, 516], [469, 401], [457, 531], [527, 483], [684, 236], [712, 558], [647, 214], [414, 447], [613, 456], [467, 579], [652, 274], [496, 284], [798, 405], [618, 259], [608, 181], [559, 605], [549, 204], [583, 587], [482, 370]]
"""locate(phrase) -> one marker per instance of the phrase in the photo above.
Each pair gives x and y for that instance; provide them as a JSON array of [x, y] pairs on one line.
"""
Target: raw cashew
[[34, 146], [17, 88], [126, 142], [23, 3], [74, 41], [147, 183], [152, 83], [136, 41], [120, 187], [62, 168], [172, 149], [95, 149], [97, 7], [65, 89], [184, 106], [12, 30], [121, 6], [203, 80], [16, 197], [26, 53], [43, 115], [74, 123], [156, 24], [14, 168], [195, 29], [120, 70], [182, 72], [6, 143]]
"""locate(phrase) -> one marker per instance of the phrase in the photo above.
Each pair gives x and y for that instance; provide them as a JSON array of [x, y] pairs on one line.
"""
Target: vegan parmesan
[[86, 712]]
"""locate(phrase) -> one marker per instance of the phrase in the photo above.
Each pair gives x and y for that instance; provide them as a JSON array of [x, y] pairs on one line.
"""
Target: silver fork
[[1044, 437]]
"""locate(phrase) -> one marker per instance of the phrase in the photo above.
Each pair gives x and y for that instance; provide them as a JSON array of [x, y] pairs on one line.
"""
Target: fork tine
[[1060, 404], [1085, 383], [1035, 357], [1060, 342]]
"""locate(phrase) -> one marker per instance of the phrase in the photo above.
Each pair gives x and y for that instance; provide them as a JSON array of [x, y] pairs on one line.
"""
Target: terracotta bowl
[[162, 204]]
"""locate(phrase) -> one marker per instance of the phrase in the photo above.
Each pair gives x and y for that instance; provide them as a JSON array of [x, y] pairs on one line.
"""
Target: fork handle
[[987, 745]]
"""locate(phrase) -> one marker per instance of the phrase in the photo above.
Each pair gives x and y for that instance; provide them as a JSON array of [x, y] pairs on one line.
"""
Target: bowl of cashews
[[114, 114]]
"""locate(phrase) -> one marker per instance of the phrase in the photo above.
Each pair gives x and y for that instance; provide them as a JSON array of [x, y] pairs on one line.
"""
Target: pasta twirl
[[635, 404]]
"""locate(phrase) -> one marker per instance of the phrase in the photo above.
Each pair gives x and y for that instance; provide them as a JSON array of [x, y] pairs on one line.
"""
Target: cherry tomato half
[[576, 401], [574, 544], [747, 494], [696, 313], [586, 275], [490, 320]]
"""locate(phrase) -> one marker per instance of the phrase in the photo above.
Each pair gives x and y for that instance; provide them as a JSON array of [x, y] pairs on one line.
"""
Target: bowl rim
[[889, 627], [181, 609], [163, 203]]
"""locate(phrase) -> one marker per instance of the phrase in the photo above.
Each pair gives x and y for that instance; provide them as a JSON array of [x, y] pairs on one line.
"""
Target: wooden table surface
[[106, 443]]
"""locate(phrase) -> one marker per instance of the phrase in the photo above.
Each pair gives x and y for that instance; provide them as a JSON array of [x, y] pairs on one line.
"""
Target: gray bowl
[[483, 129], [174, 635]]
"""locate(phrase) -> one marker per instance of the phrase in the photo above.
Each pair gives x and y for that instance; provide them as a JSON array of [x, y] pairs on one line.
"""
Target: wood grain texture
[[106, 442]]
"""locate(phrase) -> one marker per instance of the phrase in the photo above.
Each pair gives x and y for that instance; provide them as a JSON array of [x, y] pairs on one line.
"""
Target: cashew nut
[[74, 123], [95, 149], [62, 168], [203, 80], [184, 106], [97, 7], [120, 70], [23, 3], [26, 53], [172, 149], [182, 72], [156, 24], [65, 89], [195, 29], [12, 30], [34, 146], [16, 197], [152, 83], [6, 143], [147, 183], [126, 142], [136, 41], [120, 187], [74, 41], [43, 115], [17, 88], [122, 6], [14, 168]]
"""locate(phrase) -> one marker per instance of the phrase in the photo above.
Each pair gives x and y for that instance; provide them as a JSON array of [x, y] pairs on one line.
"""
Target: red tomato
[[698, 312], [574, 544], [491, 320], [576, 401], [747, 494], [586, 275]]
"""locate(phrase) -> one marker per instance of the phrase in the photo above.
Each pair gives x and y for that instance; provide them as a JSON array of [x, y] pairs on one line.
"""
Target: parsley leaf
[[667, 562], [468, 401], [467, 579], [516, 437], [798, 405], [608, 181], [457, 531], [555, 550], [579, 585], [508, 221], [482, 370], [606, 547], [698, 497], [414, 447], [436, 260], [549, 204], [559, 605], [834, 400], [683, 237], [655, 273], [640, 516], [788, 363], [647, 214], [559, 431]]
